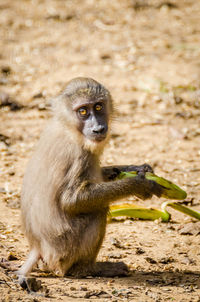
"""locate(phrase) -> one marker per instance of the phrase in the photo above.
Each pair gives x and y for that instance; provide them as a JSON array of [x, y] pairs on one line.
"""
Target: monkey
[[66, 193]]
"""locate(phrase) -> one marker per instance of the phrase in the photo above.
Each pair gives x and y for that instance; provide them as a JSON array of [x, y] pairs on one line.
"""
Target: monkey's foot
[[111, 269], [31, 285]]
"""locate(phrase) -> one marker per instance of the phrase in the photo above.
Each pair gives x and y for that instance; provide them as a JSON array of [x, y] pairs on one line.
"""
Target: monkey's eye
[[98, 107], [82, 111]]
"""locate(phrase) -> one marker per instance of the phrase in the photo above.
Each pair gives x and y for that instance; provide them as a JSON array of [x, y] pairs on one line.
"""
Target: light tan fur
[[66, 194]]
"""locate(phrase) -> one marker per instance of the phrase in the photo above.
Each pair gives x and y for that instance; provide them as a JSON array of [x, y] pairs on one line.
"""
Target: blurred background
[[147, 52]]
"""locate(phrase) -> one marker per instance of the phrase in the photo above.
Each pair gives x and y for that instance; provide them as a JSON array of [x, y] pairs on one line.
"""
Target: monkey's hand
[[145, 188], [111, 172], [142, 168]]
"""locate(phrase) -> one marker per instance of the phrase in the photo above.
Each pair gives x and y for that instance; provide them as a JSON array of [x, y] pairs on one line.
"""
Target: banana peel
[[170, 190], [131, 210], [134, 211], [181, 208]]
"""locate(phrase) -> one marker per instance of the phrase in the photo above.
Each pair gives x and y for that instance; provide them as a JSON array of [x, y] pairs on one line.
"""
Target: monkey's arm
[[91, 197], [111, 172]]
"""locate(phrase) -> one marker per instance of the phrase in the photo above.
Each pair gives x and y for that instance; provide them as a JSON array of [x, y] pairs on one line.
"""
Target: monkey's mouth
[[98, 138]]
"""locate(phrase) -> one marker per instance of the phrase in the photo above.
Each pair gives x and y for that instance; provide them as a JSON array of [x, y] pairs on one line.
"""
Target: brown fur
[[65, 194]]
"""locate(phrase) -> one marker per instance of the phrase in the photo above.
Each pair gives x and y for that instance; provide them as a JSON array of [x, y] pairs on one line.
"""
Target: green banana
[[131, 210], [181, 208], [170, 190]]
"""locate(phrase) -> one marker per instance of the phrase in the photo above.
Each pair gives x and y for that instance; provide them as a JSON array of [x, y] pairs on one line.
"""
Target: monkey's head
[[86, 107]]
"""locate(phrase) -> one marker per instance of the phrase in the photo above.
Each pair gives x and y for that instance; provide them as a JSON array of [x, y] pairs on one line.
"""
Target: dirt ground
[[148, 54]]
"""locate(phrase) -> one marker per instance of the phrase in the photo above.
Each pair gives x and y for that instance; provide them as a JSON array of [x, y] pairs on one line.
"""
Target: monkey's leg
[[111, 172], [26, 268], [90, 267]]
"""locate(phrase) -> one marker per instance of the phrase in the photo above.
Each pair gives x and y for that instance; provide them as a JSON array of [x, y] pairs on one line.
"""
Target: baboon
[[66, 194]]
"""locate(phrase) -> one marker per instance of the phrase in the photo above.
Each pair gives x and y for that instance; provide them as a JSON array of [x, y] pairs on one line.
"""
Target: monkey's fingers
[[142, 168], [114, 174], [156, 189]]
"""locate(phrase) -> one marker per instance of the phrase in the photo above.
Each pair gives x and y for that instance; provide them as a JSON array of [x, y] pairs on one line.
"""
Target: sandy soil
[[148, 54]]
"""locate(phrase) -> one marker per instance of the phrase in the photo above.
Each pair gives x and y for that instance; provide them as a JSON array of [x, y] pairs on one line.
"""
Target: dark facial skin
[[93, 121]]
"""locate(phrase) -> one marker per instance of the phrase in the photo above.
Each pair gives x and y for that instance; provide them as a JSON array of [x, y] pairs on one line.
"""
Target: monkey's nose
[[99, 130]]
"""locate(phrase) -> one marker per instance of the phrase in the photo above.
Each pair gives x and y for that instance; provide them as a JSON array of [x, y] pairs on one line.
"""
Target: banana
[[131, 210], [181, 208], [170, 190]]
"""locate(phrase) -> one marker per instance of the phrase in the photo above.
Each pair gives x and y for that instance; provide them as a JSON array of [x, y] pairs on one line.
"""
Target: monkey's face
[[92, 119]]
